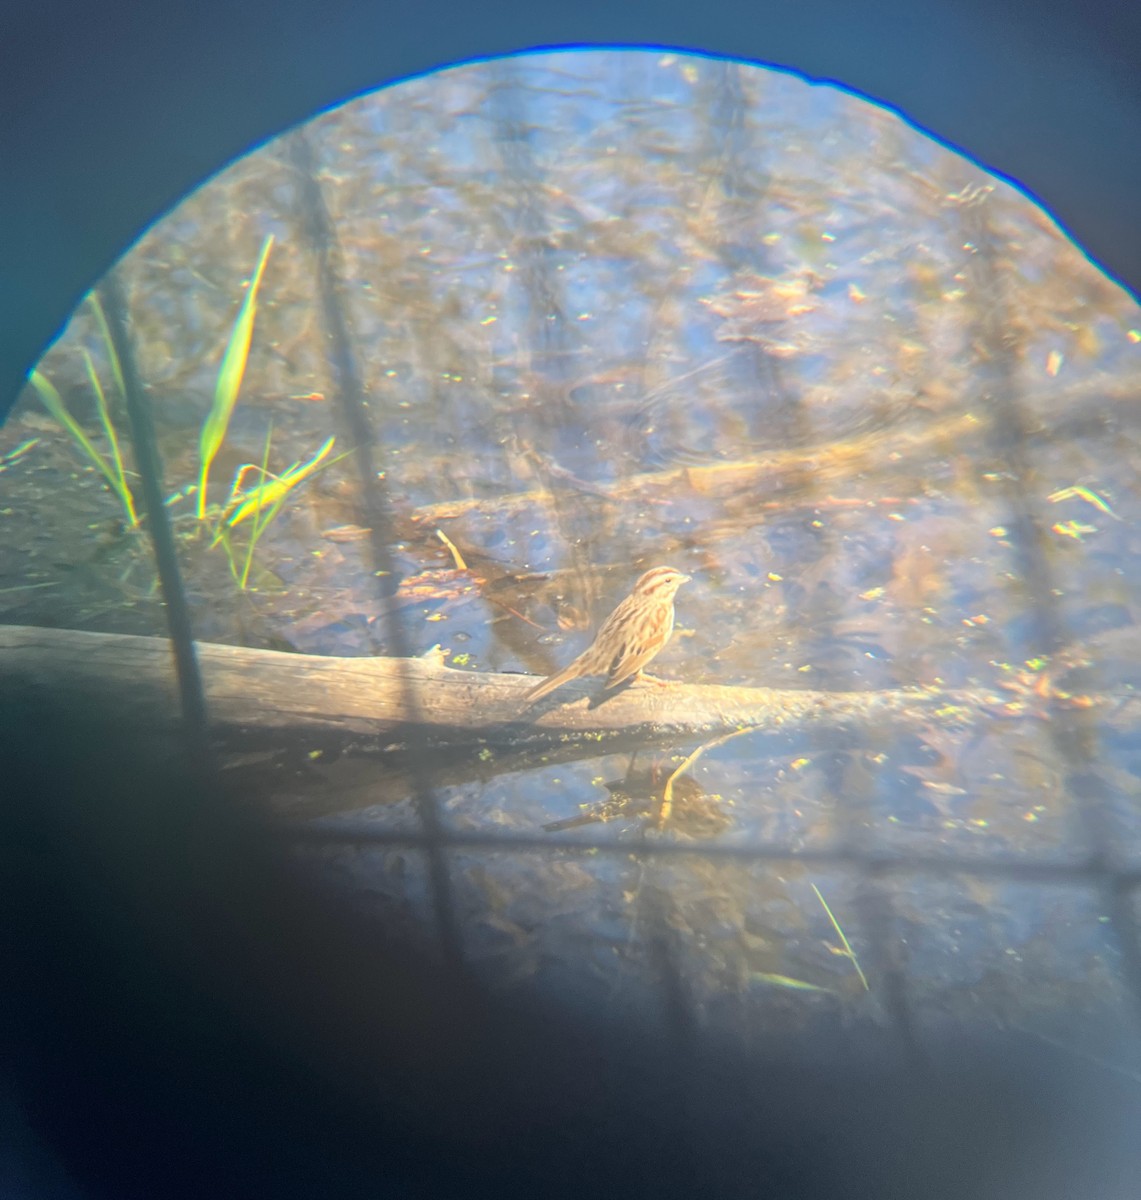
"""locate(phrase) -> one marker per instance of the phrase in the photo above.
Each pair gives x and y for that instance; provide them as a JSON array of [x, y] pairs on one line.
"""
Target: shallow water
[[615, 310]]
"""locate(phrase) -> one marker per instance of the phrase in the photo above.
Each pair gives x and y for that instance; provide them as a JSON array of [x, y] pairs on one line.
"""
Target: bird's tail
[[549, 684]]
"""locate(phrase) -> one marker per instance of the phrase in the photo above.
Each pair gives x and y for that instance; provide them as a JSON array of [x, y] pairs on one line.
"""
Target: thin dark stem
[[376, 516], [149, 463]]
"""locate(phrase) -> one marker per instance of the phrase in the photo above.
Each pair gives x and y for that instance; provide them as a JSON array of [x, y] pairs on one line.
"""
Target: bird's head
[[660, 583]]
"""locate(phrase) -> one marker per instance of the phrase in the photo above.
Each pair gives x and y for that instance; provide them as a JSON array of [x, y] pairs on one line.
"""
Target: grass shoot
[[253, 507], [229, 381], [847, 951], [111, 471], [111, 435], [262, 502]]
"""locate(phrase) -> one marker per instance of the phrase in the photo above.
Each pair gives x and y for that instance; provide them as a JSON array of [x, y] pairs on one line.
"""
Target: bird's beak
[[685, 579]]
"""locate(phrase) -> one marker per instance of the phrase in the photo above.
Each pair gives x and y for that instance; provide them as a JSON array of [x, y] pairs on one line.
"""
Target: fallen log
[[249, 692], [266, 706]]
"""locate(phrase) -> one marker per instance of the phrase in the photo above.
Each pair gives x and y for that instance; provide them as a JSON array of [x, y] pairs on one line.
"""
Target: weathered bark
[[251, 692], [267, 708], [248, 691]]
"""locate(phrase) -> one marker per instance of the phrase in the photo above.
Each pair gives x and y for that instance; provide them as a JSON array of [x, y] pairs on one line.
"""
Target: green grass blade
[[256, 527], [108, 342], [53, 402], [786, 981], [273, 493], [112, 440], [847, 952], [13, 456], [230, 372]]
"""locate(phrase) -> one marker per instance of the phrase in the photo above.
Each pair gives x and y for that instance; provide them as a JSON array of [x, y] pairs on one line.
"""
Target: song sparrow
[[633, 633]]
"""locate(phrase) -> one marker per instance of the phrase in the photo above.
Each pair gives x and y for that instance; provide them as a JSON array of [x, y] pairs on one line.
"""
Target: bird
[[629, 638]]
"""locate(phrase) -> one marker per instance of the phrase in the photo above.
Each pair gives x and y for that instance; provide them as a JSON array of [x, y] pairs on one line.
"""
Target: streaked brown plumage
[[629, 638]]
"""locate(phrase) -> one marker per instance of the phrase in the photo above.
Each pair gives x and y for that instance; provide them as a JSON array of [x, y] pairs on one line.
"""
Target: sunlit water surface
[[612, 310]]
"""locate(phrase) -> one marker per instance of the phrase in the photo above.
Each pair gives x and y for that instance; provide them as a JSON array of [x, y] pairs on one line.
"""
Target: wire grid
[[1072, 735]]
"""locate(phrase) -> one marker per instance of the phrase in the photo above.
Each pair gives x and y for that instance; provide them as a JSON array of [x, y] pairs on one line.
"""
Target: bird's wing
[[636, 652]]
